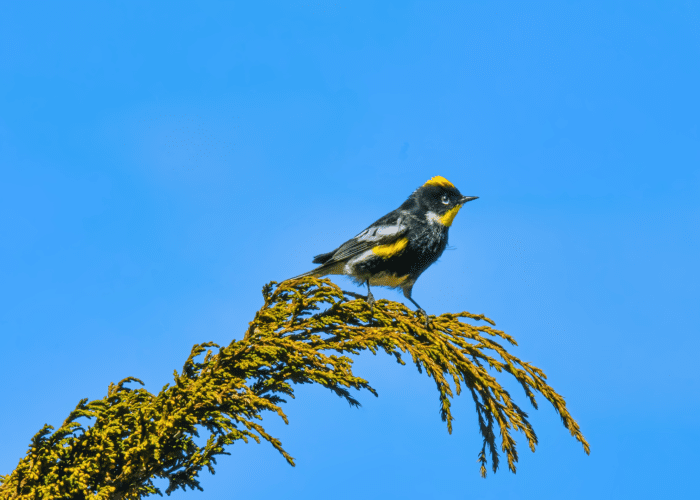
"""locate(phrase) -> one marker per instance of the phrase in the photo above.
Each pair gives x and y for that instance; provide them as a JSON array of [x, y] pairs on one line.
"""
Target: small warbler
[[395, 250]]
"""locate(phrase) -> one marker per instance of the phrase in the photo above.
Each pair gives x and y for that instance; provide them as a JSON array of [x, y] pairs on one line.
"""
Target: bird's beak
[[465, 199]]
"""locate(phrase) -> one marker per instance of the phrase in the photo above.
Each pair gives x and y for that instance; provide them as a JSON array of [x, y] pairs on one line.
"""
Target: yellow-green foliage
[[299, 336]]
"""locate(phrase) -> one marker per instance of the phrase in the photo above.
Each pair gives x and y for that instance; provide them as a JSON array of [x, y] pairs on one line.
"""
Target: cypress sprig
[[302, 334]]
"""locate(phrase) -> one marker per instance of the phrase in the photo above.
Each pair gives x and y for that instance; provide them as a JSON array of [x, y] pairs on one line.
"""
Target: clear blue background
[[162, 161]]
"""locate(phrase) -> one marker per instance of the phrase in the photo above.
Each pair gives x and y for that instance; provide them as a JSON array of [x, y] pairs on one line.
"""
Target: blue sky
[[162, 162]]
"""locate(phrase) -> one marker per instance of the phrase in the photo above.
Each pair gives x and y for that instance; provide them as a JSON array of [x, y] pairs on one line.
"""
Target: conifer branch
[[301, 335]]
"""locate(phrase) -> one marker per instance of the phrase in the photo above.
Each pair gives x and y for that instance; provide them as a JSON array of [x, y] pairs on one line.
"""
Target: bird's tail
[[323, 258], [314, 272], [323, 269]]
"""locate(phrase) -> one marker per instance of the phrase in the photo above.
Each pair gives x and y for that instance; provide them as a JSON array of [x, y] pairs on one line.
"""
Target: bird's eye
[[445, 199]]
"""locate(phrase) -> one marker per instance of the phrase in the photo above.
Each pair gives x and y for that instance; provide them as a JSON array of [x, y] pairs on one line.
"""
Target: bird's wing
[[385, 231]]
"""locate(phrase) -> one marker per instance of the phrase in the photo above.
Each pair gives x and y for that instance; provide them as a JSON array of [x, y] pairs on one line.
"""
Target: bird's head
[[439, 199]]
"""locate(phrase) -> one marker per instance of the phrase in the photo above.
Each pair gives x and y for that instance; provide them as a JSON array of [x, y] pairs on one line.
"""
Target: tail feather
[[323, 270], [323, 258], [314, 272]]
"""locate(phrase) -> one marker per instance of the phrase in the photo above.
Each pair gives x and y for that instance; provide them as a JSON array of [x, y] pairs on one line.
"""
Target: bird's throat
[[449, 216]]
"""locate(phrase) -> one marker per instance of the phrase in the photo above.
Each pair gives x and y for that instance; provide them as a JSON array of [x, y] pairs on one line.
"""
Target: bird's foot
[[370, 301], [355, 295], [369, 298], [425, 314]]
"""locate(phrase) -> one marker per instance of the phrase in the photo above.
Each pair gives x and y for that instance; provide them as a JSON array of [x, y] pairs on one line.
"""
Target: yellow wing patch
[[395, 248], [439, 181], [450, 215]]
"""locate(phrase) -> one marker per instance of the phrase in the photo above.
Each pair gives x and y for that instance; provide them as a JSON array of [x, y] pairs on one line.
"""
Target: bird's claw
[[425, 315], [355, 295], [370, 301]]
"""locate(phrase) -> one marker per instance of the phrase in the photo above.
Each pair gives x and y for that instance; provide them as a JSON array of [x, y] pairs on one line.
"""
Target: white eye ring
[[445, 199]]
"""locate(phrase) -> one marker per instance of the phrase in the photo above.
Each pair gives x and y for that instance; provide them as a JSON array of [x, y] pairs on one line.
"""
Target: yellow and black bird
[[395, 250]]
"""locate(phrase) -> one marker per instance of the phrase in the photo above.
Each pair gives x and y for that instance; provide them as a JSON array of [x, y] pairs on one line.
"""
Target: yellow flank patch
[[385, 279], [450, 215], [395, 248], [439, 181]]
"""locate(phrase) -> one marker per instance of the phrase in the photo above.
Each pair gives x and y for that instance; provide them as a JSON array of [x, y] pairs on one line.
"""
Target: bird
[[396, 249]]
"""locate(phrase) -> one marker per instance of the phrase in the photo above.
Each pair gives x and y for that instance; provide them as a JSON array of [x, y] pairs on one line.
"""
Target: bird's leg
[[370, 299], [407, 294]]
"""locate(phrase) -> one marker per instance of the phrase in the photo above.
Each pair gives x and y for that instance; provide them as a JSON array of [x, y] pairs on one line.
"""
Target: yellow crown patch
[[439, 181]]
